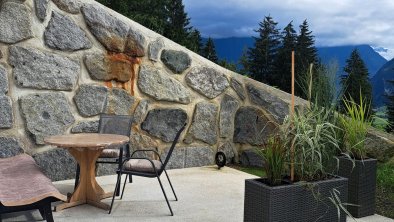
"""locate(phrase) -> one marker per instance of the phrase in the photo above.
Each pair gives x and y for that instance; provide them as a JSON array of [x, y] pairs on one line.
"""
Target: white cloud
[[335, 22]]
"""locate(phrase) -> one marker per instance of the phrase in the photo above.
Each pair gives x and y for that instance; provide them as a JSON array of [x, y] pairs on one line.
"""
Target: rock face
[[207, 81], [3, 81], [46, 114], [198, 156], [9, 147], [15, 23], [6, 115], [57, 164], [251, 126], [177, 159], [109, 67], [238, 88], [154, 49], [91, 100], [41, 9], [43, 70], [228, 107], [141, 111], [70, 6], [139, 141], [204, 124], [250, 158], [164, 123], [380, 145], [120, 102], [277, 107], [135, 45], [161, 86], [63, 34], [176, 61], [86, 127]]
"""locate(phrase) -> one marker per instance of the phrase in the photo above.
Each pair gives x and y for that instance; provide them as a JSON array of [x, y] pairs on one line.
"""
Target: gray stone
[[161, 86], [46, 114], [380, 145], [229, 151], [6, 115], [155, 48], [41, 9], [108, 29], [199, 156], [238, 88], [250, 158], [164, 123], [251, 126], [207, 81], [70, 6], [228, 107], [57, 164], [86, 127], [91, 100], [3, 81], [267, 101], [135, 44], [176, 61], [42, 70], [1, 55], [10, 146], [141, 111], [120, 102], [108, 67], [63, 34], [16, 24], [177, 159], [139, 141], [204, 124]]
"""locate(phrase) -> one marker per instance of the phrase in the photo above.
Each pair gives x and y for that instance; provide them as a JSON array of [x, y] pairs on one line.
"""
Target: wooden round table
[[86, 148]]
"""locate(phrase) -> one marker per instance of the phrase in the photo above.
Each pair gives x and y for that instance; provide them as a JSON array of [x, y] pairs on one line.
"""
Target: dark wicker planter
[[294, 203], [362, 185]]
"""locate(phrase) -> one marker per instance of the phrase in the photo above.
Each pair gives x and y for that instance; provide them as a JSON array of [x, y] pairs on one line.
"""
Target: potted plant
[[355, 165], [314, 195]]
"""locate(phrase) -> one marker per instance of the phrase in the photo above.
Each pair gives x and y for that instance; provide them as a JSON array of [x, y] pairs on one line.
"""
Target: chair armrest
[[154, 151]]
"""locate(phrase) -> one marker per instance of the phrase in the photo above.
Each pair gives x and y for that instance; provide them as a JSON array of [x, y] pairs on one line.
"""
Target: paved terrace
[[205, 194]]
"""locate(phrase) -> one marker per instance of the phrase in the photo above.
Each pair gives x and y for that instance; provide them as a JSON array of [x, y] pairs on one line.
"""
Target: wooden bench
[[24, 187]]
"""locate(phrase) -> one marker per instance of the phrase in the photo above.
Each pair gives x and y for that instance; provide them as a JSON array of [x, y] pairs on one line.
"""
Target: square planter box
[[295, 202], [362, 185]]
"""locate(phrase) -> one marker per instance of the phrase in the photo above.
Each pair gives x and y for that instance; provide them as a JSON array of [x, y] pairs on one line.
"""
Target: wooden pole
[[291, 115]]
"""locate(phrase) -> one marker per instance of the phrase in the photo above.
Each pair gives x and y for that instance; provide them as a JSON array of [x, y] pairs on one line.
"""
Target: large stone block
[[238, 88], [204, 124], [380, 145], [268, 101], [46, 114], [199, 156], [135, 44], [86, 127], [159, 85], [57, 164], [177, 158], [16, 24], [207, 81], [120, 102], [91, 100], [70, 6], [41, 9], [176, 61], [42, 70], [3, 81], [229, 151], [139, 141], [63, 34], [164, 123], [108, 67], [251, 126], [228, 107], [9, 146], [155, 48], [250, 158], [141, 111], [6, 114]]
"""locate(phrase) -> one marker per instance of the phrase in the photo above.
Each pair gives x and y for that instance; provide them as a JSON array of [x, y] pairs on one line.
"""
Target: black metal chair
[[112, 124], [146, 167]]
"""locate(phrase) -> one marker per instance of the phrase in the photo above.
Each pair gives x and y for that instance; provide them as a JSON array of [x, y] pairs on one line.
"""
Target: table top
[[86, 140]]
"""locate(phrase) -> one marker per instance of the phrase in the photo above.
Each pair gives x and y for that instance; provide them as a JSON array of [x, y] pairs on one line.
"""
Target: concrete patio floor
[[205, 194]]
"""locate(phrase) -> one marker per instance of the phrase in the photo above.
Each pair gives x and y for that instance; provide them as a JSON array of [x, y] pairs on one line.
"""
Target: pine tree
[[355, 81], [390, 109], [262, 56], [209, 51], [195, 41], [228, 65]]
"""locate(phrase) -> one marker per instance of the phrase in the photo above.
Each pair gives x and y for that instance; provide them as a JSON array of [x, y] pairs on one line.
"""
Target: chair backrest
[[178, 134], [115, 124]]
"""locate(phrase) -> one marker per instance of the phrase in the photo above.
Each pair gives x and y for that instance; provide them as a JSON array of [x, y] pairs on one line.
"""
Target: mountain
[[380, 86]]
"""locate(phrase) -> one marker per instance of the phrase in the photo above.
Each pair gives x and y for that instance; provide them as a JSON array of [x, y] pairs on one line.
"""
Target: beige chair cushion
[[142, 165], [110, 153]]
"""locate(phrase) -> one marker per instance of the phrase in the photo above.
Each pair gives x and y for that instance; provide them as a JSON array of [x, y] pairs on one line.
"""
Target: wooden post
[[291, 116]]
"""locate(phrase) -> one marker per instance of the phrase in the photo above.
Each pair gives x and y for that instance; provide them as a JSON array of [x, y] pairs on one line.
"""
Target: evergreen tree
[[178, 23], [390, 109], [261, 57], [209, 51], [228, 65], [355, 81], [243, 61], [195, 41]]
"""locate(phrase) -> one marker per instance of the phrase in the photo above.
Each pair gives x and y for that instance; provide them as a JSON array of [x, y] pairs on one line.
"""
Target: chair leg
[[131, 178], [162, 189], [172, 188], [124, 185], [116, 190], [77, 177], [46, 212]]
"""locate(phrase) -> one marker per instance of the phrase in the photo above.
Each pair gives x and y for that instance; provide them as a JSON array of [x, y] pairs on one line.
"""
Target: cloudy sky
[[333, 22]]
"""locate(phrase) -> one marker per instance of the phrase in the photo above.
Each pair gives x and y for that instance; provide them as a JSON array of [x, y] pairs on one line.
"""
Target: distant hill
[[380, 86]]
